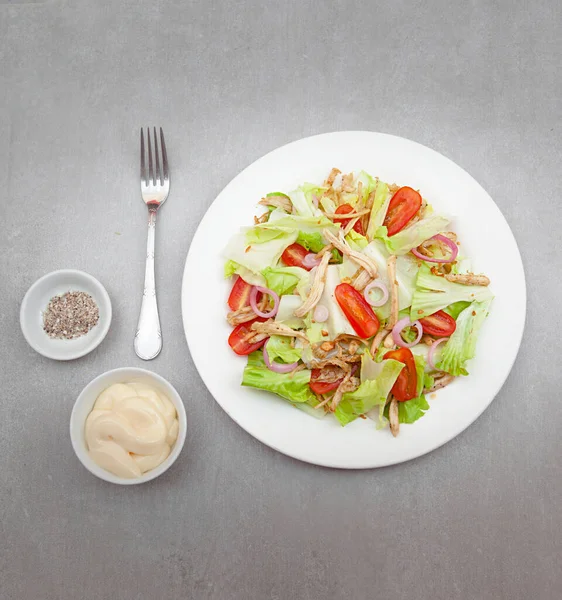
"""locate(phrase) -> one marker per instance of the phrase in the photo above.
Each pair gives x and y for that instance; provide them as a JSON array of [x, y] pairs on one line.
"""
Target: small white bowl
[[85, 402], [36, 300]]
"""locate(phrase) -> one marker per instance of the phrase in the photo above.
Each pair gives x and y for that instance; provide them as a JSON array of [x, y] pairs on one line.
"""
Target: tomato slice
[[439, 324], [239, 295], [357, 310], [345, 209], [403, 206], [322, 387], [405, 386], [237, 342], [294, 255]]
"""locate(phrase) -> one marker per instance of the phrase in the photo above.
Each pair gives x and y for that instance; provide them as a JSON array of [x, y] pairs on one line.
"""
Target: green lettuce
[[411, 410], [455, 309], [279, 347], [413, 235], [377, 380], [259, 255], [461, 346], [311, 241], [356, 241], [283, 280], [368, 184], [379, 208], [233, 268], [302, 200], [293, 387], [434, 293], [406, 275]]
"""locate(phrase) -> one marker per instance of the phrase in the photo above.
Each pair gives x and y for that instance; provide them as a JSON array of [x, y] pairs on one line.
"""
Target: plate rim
[[330, 463]]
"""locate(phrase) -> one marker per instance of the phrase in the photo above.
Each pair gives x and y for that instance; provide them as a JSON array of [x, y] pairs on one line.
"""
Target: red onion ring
[[276, 367], [254, 305], [397, 330], [382, 287], [445, 240], [432, 349], [321, 313], [310, 261]]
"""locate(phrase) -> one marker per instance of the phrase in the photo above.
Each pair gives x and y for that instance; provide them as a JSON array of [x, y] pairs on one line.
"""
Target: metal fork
[[154, 190]]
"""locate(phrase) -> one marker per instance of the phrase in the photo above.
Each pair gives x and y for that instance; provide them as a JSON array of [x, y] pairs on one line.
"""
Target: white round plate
[[485, 237]]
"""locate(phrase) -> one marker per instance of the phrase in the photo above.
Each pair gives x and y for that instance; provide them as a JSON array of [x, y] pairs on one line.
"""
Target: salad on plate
[[353, 298]]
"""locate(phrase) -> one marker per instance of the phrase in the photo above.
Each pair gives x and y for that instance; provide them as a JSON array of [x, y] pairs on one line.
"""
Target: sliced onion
[[315, 200], [321, 313], [254, 305], [378, 284], [432, 349], [310, 261], [273, 366], [402, 324], [445, 240]]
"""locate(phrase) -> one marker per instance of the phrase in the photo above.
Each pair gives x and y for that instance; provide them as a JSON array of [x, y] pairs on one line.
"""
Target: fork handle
[[148, 339]]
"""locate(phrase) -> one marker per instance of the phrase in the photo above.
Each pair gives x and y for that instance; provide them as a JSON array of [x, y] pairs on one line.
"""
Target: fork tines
[[156, 175]]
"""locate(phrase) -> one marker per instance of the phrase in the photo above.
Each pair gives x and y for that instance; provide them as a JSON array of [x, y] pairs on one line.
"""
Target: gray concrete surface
[[478, 81]]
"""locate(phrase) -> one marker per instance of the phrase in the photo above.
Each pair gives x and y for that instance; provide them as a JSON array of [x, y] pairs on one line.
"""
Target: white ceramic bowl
[[36, 300], [85, 403]]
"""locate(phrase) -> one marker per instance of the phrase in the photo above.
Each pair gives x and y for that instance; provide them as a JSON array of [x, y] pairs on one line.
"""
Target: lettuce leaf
[[293, 387], [257, 256], [356, 241], [455, 309], [377, 380], [413, 235], [279, 347], [434, 293], [287, 306], [368, 183], [311, 241], [461, 346], [411, 410], [283, 280], [406, 274], [379, 208], [233, 268]]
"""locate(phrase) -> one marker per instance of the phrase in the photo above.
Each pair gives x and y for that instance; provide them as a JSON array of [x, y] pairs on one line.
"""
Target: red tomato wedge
[[345, 209], [294, 255], [239, 295], [439, 324], [357, 310], [236, 340], [322, 387], [405, 386], [403, 206]]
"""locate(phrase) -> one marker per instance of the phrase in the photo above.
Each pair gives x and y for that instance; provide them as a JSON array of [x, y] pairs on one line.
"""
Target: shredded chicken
[[298, 368], [451, 235], [393, 187], [278, 202], [361, 259], [350, 215], [316, 289], [361, 280], [332, 177], [389, 341], [468, 279], [377, 340], [393, 417], [427, 339], [391, 267], [439, 383], [273, 328], [349, 384], [243, 315], [347, 183], [262, 219], [350, 225], [330, 374], [353, 347]]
